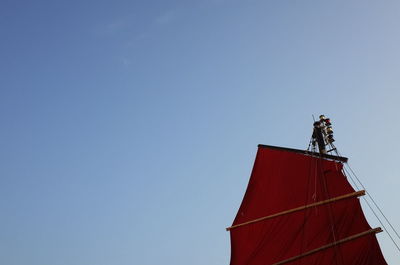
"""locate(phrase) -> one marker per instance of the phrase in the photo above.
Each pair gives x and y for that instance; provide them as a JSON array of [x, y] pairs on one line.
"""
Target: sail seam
[[346, 196]]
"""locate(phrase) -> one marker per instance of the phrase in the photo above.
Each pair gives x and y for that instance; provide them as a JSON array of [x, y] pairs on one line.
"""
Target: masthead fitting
[[323, 133]]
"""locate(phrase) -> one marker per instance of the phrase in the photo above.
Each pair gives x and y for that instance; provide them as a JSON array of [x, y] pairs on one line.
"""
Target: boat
[[300, 208]]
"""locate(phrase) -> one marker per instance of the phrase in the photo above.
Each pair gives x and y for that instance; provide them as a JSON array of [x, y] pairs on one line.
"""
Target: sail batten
[[344, 240], [292, 206], [350, 195]]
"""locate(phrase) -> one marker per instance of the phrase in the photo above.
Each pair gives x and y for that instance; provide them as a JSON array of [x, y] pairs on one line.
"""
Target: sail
[[300, 209]]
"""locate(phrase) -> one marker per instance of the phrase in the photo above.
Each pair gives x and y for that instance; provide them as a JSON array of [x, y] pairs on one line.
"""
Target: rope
[[376, 205], [373, 201], [336, 247], [303, 227], [376, 215], [309, 144]]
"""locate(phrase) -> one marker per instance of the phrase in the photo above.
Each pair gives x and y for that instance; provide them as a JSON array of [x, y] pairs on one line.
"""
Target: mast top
[[323, 134]]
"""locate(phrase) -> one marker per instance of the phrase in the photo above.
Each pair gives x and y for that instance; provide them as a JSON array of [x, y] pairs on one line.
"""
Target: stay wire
[[376, 205], [372, 199], [372, 209], [369, 205]]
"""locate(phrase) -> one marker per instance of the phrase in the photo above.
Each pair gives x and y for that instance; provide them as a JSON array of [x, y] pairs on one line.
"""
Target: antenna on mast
[[322, 134]]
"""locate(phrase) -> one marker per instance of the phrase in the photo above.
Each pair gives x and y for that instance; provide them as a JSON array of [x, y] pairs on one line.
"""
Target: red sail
[[334, 232]]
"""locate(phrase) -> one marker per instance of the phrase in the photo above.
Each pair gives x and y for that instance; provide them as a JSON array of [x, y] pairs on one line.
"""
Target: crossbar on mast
[[346, 196], [344, 240]]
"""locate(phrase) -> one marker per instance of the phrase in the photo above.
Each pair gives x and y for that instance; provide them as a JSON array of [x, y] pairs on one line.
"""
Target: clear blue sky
[[129, 128]]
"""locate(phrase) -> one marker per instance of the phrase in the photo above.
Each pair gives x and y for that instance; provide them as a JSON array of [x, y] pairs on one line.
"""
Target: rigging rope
[[376, 205], [373, 201], [377, 217], [303, 227], [336, 247]]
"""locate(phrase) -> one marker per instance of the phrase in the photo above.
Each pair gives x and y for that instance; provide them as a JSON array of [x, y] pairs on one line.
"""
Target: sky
[[129, 128]]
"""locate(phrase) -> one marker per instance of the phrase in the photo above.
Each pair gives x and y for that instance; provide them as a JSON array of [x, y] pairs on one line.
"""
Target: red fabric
[[283, 180]]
